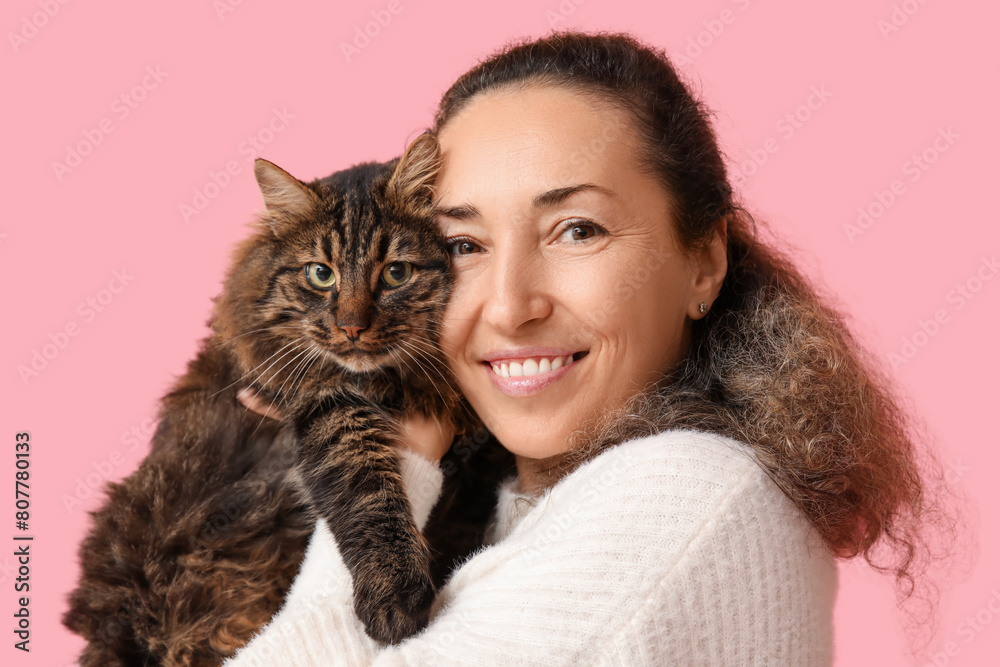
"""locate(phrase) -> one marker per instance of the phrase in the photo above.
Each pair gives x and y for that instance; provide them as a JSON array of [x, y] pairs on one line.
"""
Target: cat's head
[[348, 270]]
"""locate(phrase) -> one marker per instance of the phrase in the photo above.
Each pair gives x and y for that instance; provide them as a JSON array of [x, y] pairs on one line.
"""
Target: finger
[[427, 436], [253, 402]]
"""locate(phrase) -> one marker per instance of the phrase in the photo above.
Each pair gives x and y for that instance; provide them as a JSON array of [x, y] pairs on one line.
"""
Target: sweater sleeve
[[322, 590], [674, 549]]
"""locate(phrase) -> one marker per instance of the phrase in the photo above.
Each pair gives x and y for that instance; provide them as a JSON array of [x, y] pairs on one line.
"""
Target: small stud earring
[[703, 307]]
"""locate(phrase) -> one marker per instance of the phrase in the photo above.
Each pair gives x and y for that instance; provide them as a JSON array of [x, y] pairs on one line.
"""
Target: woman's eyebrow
[[559, 195], [541, 200], [461, 212]]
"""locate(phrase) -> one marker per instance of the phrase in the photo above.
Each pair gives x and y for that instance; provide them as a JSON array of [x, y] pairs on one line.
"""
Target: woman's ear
[[710, 264]]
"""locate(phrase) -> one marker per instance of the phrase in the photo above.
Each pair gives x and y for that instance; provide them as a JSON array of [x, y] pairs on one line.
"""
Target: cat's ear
[[286, 199], [412, 183]]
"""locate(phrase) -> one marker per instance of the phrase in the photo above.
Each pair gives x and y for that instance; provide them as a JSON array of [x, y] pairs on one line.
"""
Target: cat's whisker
[[322, 362], [252, 370], [310, 359], [297, 373], [298, 359], [261, 422], [305, 372], [271, 328], [405, 346], [430, 378], [400, 360], [420, 368], [310, 353], [427, 344], [257, 381], [430, 358], [267, 412], [430, 347], [403, 361], [288, 363], [428, 362]]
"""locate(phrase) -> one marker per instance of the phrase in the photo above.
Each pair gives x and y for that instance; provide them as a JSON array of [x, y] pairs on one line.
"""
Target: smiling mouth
[[531, 366]]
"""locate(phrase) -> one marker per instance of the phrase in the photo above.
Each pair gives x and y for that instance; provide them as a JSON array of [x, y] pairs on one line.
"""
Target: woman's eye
[[320, 276], [462, 247], [580, 230], [397, 273]]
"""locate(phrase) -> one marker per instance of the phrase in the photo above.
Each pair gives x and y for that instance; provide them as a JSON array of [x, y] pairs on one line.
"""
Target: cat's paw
[[394, 605]]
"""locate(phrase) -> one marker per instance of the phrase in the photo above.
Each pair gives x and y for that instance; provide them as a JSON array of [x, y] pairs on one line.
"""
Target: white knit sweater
[[674, 549]]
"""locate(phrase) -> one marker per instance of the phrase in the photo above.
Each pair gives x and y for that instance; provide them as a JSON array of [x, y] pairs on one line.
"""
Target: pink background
[[226, 67]]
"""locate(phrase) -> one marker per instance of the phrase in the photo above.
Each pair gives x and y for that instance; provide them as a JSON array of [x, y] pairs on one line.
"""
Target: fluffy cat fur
[[196, 550]]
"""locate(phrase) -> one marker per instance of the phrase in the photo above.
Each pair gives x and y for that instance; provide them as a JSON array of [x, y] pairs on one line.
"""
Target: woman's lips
[[527, 375]]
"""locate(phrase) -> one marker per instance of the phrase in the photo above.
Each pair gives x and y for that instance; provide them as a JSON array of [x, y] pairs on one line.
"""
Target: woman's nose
[[517, 290]]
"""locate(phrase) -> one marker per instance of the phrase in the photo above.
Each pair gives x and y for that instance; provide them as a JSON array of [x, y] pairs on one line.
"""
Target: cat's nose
[[353, 332]]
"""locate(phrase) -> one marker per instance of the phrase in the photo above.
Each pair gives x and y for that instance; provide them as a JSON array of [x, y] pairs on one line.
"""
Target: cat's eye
[[320, 276], [397, 273]]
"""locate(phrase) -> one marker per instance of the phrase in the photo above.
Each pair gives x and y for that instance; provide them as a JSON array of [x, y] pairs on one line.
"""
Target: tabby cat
[[331, 312]]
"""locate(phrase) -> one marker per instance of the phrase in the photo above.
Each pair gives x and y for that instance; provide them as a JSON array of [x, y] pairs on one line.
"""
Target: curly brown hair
[[773, 363]]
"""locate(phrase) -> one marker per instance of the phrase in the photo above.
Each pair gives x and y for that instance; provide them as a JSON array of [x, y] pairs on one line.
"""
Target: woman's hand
[[254, 403], [427, 436]]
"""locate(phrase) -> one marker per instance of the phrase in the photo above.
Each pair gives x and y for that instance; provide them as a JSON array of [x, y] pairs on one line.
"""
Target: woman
[[608, 291]]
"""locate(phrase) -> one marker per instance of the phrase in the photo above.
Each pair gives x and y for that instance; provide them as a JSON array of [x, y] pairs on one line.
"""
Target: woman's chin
[[521, 442]]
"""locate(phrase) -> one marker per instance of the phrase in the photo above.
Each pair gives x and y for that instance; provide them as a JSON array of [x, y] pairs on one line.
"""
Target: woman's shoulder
[[685, 470], [678, 489], [682, 529], [686, 450]]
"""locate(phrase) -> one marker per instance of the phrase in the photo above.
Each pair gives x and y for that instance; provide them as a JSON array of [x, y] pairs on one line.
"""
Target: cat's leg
[[351, 471]]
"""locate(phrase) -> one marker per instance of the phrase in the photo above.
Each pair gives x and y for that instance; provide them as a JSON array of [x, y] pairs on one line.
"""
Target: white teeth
[[530, 367]]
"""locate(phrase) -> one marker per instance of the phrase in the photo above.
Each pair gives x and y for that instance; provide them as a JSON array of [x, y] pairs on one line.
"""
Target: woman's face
[[570, 290]]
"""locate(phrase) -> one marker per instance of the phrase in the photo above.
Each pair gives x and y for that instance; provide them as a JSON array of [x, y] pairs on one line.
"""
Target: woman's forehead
[[536, 139]]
